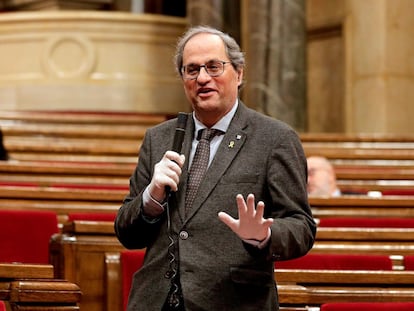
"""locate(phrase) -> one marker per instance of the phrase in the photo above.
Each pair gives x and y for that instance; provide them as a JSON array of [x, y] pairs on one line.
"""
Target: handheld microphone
[[178, 137], [173, 299]]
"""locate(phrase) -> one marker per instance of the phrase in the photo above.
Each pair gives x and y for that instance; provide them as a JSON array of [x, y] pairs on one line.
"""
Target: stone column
[[205, 12], [274, 38], [221, 14], [379, 66]]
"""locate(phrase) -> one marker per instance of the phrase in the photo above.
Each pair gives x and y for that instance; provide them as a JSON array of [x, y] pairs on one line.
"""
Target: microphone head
[[182, 120]]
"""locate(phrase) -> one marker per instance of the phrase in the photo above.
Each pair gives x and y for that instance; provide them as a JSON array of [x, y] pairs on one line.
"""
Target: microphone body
[[178, 137], [179, 132]]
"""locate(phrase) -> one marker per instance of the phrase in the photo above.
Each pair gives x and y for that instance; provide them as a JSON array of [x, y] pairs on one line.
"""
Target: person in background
[[321, 177], [251, 208]]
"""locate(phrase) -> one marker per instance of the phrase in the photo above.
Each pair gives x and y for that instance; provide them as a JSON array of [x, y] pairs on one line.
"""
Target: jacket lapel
[[231, 144]]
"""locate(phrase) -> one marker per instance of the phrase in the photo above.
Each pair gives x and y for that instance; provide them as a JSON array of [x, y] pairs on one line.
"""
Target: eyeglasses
[[214, 68]]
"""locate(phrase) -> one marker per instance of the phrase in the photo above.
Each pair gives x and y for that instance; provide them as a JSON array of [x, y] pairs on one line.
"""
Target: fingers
[[260, 210], [250, 223], [228, 220], [169, 169], [167, 173], [248, 208], [179, 159]]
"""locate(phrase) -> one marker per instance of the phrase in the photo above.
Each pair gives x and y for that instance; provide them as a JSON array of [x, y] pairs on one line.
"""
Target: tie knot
[[208, 134]]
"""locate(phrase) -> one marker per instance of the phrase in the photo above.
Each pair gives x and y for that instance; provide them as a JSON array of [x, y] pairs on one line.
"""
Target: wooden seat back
[[120, 268]]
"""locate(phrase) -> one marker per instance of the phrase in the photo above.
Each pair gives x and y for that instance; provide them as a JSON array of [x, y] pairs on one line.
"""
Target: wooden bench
[[81, 117], [369, 177], [62, 193], [81, 238], [65, 168], [75, 136], [33, 287], [363, 162], [94, 199], [377, 246], [362, 206], [112, 176], [392, 241], [362, 142], [353, 283], [61, 207], [301, 289], [368, 306], [381, 235], [366, 162], [78, 255], [61, 200]]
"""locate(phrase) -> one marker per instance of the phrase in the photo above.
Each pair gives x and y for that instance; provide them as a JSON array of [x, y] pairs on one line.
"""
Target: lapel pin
[[231, 144]]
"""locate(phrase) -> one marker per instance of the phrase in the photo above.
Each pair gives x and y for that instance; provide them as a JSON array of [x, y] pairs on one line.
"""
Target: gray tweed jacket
[[217, 270]]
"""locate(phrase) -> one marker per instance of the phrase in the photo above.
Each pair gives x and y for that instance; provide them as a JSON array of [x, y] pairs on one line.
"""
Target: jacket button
[[168, 274], [183, 235]]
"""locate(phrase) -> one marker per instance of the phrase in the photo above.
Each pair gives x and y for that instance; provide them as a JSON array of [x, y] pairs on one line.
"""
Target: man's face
[[211, 97]]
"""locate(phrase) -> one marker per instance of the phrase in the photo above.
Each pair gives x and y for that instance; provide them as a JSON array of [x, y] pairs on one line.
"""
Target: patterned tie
[[199, 164]]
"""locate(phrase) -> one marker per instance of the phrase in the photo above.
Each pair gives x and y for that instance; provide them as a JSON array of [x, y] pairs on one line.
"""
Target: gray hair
[[232, 48]]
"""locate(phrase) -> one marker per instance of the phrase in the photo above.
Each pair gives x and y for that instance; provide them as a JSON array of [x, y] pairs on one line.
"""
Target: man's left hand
[[251, 225]]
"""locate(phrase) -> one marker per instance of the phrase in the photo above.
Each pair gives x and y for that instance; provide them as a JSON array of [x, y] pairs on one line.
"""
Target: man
[[321, 177], [250, 208]]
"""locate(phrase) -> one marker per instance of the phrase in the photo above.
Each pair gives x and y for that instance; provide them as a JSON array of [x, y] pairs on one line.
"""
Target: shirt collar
[[222, 124]]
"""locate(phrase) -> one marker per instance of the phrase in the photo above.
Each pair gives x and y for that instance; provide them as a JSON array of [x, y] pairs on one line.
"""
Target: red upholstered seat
[[2, 306], [367, 222], [131, 261], [25, 235], [397, 192], [92, 216], [409, 262], [368, 306], [337, 262]]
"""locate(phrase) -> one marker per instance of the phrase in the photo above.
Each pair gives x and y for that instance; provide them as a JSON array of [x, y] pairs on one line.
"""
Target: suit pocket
[[240, 178], [252, 277]]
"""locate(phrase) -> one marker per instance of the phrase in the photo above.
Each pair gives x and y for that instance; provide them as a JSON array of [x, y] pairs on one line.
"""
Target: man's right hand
[[167, 173]]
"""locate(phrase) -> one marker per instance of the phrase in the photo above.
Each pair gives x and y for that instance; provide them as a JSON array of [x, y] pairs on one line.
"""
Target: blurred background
[[330, 66]]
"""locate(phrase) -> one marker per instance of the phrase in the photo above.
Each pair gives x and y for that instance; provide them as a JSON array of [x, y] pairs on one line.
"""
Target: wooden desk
[[32, 287]]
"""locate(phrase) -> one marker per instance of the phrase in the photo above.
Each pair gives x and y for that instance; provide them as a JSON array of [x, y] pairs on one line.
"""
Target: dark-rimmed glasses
[[214, 68]]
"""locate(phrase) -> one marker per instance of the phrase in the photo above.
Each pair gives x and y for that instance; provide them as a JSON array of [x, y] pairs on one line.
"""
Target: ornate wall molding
[[90, 60]]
